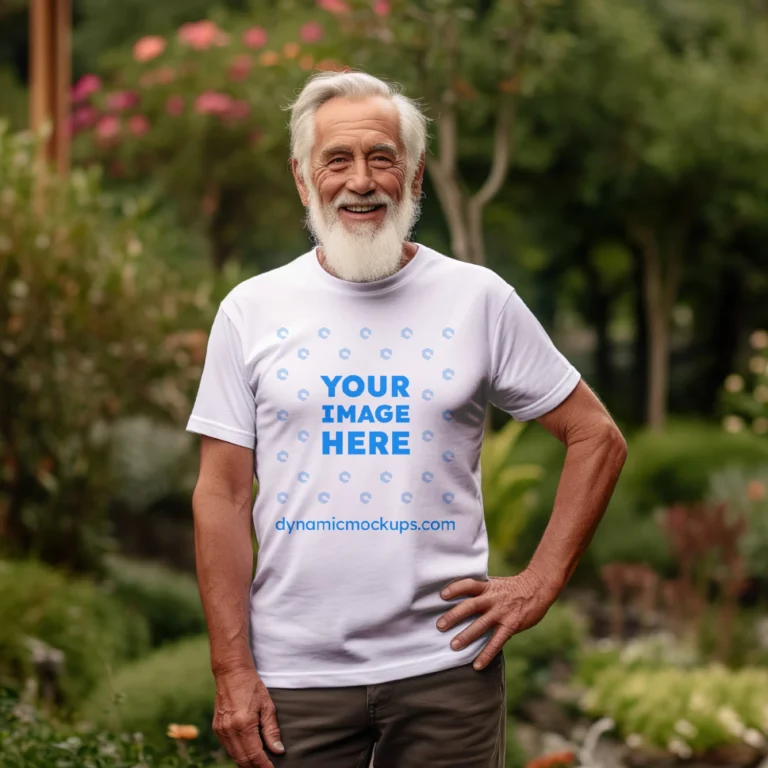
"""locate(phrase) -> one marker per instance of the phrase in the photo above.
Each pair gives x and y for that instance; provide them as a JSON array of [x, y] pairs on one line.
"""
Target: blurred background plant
[[607, 157]]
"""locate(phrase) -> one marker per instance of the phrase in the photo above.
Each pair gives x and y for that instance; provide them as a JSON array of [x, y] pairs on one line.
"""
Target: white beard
[[366, 250]]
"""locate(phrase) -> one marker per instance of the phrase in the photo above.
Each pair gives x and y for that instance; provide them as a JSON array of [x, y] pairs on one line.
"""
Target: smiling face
[[361, 206]]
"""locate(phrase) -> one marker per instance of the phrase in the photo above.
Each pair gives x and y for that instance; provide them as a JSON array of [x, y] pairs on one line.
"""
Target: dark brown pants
[[455, 718]]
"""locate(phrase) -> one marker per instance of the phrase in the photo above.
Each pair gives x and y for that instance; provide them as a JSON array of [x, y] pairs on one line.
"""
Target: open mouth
[[360, 209]]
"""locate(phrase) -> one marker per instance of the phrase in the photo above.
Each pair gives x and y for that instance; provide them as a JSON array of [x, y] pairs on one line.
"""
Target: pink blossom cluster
[[202, 34]]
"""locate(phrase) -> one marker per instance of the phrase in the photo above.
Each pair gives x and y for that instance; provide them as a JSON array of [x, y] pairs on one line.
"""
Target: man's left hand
[[511, 604]]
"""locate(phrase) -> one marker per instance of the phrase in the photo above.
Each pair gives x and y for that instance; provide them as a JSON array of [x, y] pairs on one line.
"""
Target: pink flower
[[311, 32], [138, 125], [174, 105], [381, 7], [120, 100], [83, 117], [108, 127], [334, 6], [148, 48], [212, 103], [84, 87], [202, 34], [238, 110], [240, 67], [255, 37]]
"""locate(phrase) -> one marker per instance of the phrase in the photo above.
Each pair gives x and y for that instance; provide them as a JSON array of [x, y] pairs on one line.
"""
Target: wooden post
[[50, 33]]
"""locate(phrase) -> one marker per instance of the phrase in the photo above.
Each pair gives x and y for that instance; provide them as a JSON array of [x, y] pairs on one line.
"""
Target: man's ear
[[300, 185], [418, 178]]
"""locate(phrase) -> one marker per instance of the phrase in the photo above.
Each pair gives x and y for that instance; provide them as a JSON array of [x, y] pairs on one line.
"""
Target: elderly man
[[353, 382]]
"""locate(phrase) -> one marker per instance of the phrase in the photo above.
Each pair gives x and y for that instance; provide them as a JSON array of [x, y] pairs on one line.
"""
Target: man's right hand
[[245, 718]]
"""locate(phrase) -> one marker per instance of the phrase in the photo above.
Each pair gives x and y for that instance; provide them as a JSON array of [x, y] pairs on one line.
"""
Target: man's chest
[[368, 385]]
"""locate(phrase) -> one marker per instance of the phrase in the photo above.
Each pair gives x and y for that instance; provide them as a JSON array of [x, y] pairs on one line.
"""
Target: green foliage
[[173, 684], [653, 651], [167, 599], [92, 327], [676, 465], [74, 616], [529, 654], [506, 488], [746, 494], [151, 461], [683, 710], [29, 739]]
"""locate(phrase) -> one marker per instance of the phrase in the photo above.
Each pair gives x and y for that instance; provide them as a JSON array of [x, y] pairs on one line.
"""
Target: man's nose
[[361, 180]]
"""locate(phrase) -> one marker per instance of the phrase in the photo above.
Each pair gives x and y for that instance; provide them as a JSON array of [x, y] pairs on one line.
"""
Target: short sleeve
[[530, 376], [225, 406]]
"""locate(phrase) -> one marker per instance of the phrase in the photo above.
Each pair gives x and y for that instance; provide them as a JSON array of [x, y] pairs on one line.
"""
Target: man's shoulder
[[475, 278]]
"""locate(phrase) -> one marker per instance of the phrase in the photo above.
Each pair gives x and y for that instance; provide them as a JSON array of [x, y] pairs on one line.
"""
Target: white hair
[[355, 86]]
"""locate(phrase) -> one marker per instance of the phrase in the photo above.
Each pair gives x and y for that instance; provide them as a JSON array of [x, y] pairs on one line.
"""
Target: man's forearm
[[224, 556], [592, 466]]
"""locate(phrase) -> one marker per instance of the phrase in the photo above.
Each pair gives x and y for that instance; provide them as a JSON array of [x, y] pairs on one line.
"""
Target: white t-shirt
[[365, 405]]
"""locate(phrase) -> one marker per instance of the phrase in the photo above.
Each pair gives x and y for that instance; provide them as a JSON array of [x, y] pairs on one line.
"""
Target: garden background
[[609, 158]]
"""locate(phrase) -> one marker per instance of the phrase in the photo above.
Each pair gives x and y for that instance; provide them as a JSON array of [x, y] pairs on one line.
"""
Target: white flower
[[634, 741], [761, 393], [684, 728], [730, 720], [760, 425], [759, 340], [680, 748], [734, 383], [758, 364], [753, 738], [733, 424]]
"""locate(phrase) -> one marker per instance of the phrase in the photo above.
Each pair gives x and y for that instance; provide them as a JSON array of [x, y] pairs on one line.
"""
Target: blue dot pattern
[[427, 395]]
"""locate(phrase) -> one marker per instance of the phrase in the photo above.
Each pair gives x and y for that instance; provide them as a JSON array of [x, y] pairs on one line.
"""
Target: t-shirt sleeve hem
[[550, 401], [212, 429]]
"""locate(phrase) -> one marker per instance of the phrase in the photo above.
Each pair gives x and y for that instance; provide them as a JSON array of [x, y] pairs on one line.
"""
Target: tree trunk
[[661, 281]]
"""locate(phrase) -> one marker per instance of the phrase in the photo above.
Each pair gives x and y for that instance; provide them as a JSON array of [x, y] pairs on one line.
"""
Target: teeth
[[360, 208]]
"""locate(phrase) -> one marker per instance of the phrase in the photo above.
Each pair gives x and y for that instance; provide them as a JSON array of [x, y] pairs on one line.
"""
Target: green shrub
[[29, 739], [676, 465], [168, 599], [74, 616], [528, 655], [507, 487], [172, 684], [684, 711], [93, 327], [746, 494]]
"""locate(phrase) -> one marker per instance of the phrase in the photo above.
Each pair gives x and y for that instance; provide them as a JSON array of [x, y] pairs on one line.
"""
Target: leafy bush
[[529, 654], [507, 488], [74, 616], [652, 651], [683, 710], [169, 600], [746, 494], [171, 684], [30, 739], [199, 113], [676, 465], [92, 327]]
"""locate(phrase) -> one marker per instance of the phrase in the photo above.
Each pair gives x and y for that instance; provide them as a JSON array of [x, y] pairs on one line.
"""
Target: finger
[[494, 646], [464, 587], [249, 749], [270, 730], [463, 610], [479, 627]]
